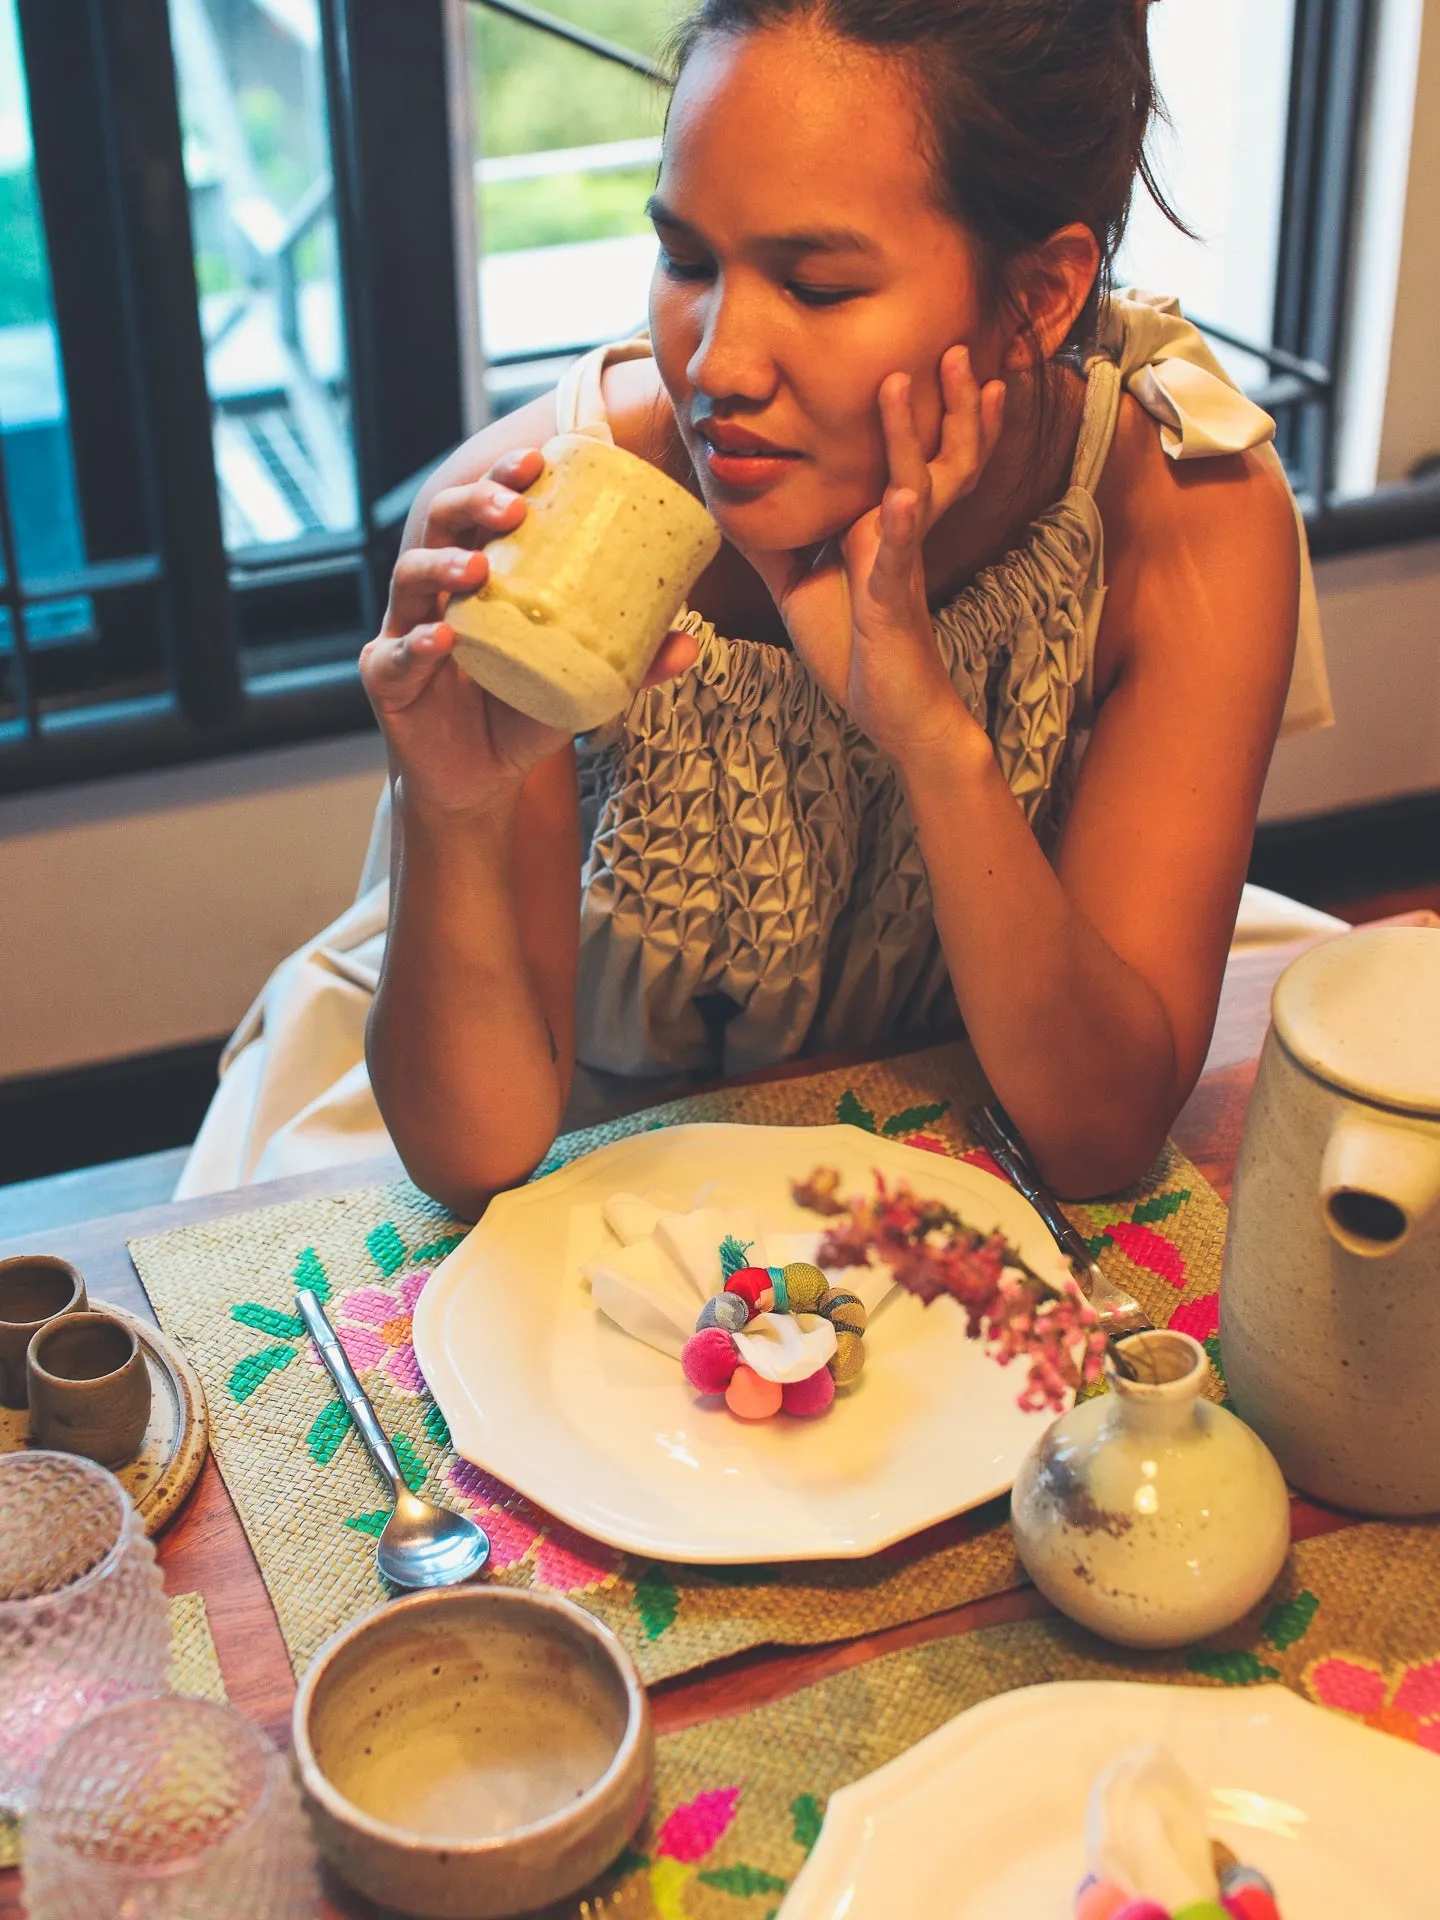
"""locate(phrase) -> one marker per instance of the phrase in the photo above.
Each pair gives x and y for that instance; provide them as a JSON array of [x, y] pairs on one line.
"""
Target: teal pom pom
[[733, 1255]]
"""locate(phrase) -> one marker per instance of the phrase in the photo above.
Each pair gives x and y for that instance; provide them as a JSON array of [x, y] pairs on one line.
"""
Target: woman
[[1013, 660]]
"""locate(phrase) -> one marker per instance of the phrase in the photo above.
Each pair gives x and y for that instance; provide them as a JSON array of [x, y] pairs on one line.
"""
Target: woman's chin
[[771, 524]]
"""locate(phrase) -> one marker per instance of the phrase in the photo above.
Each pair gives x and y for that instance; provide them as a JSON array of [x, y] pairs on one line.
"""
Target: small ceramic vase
[[1147, 1514]]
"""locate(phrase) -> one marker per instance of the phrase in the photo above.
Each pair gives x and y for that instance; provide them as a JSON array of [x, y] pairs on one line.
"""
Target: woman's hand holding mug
[[458, 749]]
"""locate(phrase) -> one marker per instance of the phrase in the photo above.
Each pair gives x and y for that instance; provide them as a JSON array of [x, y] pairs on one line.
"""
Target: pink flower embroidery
[[1404, 1702], [565, 1561], [692, 1830], [1151, 1250], [374, 1326], [1199, 1318]]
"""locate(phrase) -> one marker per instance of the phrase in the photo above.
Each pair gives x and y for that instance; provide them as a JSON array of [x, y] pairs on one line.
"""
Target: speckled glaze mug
[[89, 1388], [35, 1288]]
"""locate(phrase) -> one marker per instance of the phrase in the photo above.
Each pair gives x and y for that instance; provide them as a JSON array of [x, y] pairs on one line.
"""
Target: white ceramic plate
[[541, 1389], [985, 1819]]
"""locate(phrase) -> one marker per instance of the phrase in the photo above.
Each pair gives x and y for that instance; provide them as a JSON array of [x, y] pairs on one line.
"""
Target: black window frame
[[108, 158]]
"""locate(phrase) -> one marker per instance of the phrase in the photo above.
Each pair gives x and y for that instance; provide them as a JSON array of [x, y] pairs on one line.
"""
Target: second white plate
[[541, 1390], [985, 1819]]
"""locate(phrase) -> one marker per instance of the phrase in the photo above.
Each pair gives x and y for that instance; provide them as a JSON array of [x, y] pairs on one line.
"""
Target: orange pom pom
[[751, 1397]]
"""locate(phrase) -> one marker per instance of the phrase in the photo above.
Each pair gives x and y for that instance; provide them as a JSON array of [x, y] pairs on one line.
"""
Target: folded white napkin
[[662, 1264], [1145, 1830]]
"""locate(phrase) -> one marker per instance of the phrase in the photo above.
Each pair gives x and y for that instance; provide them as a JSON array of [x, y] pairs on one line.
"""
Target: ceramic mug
[[34, 1289], [89, 1388]]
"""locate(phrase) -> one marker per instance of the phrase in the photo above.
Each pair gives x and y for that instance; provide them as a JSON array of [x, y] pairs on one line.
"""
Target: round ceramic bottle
[[1149, 1515]]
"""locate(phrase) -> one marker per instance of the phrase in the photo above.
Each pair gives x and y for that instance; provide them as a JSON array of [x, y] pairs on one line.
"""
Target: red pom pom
[[812, 1395], [1250, 1903], [750, 1283], [709, 1360]]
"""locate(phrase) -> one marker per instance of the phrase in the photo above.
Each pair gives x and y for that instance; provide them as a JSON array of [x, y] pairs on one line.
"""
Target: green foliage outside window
[[535, 93]]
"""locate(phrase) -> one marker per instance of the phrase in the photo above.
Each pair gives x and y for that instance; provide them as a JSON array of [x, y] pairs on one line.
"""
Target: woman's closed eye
[[804, 291], [685, 269]]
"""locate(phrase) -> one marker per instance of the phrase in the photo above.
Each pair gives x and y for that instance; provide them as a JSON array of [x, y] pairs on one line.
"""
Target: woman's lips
[[748, 469]]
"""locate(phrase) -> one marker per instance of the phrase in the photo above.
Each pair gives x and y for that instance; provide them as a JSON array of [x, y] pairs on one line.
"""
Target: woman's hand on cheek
[[857, 610]]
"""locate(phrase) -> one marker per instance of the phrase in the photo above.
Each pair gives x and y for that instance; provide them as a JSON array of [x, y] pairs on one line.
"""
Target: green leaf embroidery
[[411, 1465], [656, 1602], [913, 1118], [1098, 1245], [437, 1427], [627, 1862], [733, 1254], [1160, 1207], [329, 1430], [743, 1882], [806, 1815], [1289, 1620], [436, 1250], [850, 1113], [1236, 1669], [386, 1248], [371, 1523], [280, 1326], [309, 1272], [256, 1368], [741, 1576], [1212, 1348]]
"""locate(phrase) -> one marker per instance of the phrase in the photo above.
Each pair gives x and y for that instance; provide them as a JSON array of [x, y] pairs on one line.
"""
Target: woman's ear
[[1050, 288]]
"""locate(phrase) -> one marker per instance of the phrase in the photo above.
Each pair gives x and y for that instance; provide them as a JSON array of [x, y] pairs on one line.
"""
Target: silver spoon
[[423, 1545]]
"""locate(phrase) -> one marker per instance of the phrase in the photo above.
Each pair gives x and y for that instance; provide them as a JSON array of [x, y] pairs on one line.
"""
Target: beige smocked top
[[753, 887]]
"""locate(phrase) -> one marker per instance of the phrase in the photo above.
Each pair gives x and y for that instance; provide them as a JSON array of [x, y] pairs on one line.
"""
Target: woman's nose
[[732, 360]]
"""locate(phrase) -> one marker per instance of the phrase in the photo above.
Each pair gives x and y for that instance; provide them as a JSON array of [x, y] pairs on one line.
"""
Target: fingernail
[[471, 569], [502, 496]]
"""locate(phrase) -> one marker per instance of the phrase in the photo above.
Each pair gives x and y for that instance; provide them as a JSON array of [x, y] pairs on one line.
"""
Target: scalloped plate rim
[[855, 1815], [520, 1467]]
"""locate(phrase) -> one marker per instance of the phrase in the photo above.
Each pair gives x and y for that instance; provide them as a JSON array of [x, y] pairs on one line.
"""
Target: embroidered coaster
[[284, 1443]]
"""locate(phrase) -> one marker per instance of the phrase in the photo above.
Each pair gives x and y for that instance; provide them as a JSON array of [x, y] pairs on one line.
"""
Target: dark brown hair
[[1037, 112]]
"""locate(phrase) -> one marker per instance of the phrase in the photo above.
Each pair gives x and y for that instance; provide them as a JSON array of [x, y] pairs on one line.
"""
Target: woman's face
[[802, 260]]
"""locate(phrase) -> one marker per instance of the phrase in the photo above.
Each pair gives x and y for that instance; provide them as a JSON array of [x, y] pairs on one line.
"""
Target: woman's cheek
[[674, 335]]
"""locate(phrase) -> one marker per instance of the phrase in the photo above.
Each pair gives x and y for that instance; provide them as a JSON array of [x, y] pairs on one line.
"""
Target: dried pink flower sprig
[[931, 1251]]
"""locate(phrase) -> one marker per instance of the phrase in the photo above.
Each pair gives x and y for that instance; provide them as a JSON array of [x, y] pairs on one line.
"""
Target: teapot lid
[[1363, 1013]]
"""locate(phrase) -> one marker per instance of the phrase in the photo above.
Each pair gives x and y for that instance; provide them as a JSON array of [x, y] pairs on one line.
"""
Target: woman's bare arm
[[1089, 990]]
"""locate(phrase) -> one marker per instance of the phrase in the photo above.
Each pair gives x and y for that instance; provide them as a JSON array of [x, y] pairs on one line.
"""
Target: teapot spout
[[1380, 1180]]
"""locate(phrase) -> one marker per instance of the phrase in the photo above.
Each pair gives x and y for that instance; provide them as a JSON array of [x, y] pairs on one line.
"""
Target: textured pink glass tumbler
[[83, 1620], [168, 1810]]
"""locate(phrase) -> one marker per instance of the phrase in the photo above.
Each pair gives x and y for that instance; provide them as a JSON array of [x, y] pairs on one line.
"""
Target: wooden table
[[205, 1549]]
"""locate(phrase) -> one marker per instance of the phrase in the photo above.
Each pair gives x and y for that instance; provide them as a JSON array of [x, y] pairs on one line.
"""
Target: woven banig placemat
[[1352, 1625], [307, 1496], [194, 1663]]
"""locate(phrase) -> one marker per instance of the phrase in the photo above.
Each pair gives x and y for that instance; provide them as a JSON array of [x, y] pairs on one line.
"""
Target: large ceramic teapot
[[1330, 1299]]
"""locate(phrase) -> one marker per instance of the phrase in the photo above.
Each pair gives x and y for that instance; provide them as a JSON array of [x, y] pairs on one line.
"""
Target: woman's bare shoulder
[[1182, 534], [641, 416]]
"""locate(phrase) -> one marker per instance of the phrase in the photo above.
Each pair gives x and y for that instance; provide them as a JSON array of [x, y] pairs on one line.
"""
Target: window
[[235, 333]]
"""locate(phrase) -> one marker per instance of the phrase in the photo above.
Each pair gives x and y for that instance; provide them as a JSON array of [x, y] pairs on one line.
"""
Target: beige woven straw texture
[[308, 1498], [1352, 1625]]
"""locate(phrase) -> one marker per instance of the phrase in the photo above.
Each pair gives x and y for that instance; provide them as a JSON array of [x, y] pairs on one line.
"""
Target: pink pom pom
[[709, 1360], [750, 1397], [1099, 1900], [1142, 1910], [812, 1395], [750, 1283]]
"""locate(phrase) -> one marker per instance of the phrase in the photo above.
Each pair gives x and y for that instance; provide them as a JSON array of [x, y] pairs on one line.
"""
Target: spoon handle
[[337, 1365]]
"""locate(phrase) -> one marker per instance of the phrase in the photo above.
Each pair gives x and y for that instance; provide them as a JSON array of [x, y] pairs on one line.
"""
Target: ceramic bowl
[[473, 1753]]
